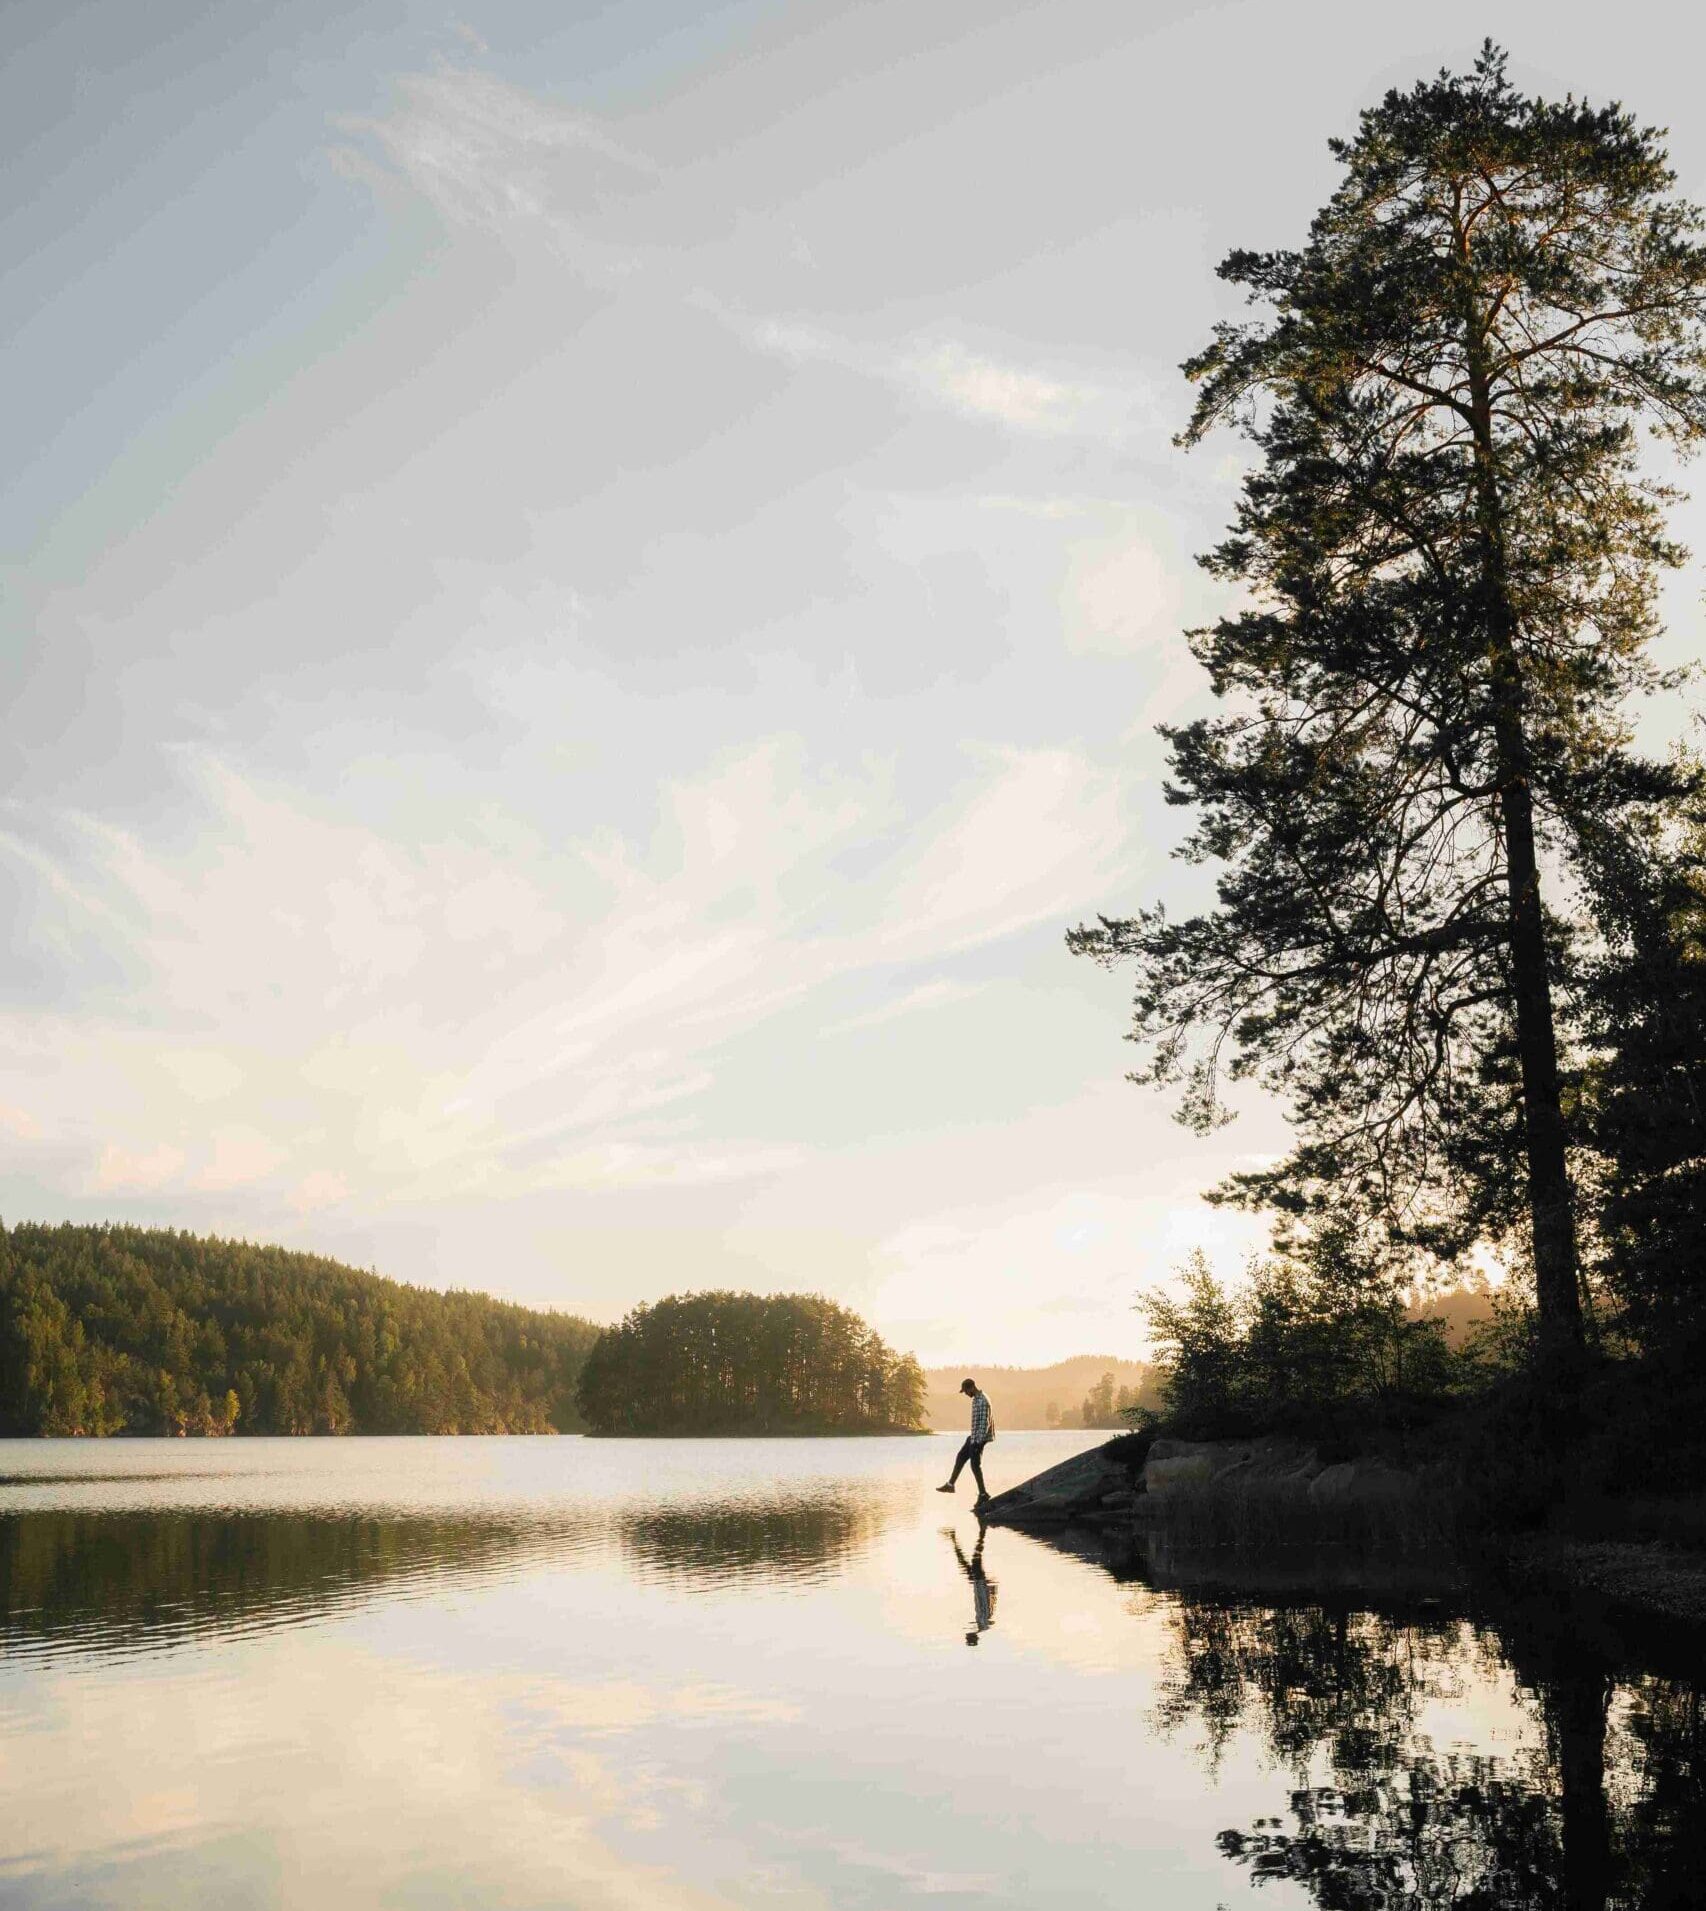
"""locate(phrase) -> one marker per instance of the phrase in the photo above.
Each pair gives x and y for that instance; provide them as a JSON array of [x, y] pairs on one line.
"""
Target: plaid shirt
[[982, 1420]]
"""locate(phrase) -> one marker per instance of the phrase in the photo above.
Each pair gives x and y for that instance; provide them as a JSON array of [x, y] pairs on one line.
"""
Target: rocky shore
[[1133, 1479]]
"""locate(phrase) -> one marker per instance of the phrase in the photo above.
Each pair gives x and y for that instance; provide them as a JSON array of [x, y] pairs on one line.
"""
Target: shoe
[[981, 1500], [946, 1489]]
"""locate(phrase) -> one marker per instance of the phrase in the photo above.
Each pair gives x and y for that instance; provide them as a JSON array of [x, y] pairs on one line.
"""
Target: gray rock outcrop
[[1099, 1484], [1279, 1473], [1263, 1480]]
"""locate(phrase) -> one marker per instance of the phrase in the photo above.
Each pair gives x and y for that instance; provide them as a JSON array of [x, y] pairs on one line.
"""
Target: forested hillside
[[748, 1363], [130, 1330]]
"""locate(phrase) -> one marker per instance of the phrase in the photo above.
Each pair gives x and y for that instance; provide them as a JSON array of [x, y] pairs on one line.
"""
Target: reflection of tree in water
[[749, 1540], [1604, 1813], [109, 1581], [1439, 1831], [105, 1581], [1310, 1675], [1660, 1826]]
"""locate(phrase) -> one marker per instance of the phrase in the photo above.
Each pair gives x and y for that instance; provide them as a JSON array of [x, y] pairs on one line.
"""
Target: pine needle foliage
[[1643, 1096]]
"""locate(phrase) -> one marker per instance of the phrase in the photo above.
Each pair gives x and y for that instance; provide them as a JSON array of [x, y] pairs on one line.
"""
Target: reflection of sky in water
[[611, 1674]]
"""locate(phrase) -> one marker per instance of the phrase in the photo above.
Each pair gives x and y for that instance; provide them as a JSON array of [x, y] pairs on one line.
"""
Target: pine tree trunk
[[1576, 1711], [1551, 1200], [1550, 1196]]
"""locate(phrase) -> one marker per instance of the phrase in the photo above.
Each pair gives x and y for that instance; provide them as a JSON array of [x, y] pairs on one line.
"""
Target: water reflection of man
[[982, 1432], [982, 1588]]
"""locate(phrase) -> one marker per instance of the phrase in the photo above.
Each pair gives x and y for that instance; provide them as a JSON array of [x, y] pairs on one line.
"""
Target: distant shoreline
[[549, 1433], [773, 1433]]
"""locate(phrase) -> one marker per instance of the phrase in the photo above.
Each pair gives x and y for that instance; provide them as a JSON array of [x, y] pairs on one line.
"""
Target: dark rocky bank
[[1273, 1496]]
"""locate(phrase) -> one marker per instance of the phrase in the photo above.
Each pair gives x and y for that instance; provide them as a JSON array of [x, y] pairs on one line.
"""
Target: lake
[[673, 1674]]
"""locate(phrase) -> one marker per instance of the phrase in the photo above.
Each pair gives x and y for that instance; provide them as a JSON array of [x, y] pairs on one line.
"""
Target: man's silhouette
[[982, 1432], [982, 1588]]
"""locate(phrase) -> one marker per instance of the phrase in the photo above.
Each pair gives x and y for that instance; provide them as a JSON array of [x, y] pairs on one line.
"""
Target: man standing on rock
[[982, 1432]]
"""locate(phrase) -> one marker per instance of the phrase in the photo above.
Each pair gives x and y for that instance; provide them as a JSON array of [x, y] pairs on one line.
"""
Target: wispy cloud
[[1036, 399], [323, 1013], [1015, 395], [497, 159]]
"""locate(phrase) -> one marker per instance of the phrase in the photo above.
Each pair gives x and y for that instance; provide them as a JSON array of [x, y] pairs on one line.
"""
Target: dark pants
[[972, 1451]]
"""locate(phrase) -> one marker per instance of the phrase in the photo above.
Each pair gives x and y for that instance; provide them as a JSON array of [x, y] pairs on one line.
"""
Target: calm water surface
[[670, 1674]]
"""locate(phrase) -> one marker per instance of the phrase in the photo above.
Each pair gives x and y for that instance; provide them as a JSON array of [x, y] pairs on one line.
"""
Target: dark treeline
[[108, 1330], [748, 1363]]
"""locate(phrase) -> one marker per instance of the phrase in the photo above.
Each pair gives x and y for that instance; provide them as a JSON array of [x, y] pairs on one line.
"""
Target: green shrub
[[1310, 1340]]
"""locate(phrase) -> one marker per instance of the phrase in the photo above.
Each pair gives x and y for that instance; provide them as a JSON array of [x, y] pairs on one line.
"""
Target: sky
[[586, 593]]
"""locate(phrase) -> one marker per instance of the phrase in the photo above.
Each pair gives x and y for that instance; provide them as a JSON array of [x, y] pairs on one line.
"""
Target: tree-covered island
[[724, 1363]]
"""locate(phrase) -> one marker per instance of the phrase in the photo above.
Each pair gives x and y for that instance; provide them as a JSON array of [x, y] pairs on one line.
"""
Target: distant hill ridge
[[1022, 1396], [109, 1330]]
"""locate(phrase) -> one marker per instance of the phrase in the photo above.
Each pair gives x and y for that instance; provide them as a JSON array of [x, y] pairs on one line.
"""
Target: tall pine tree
[[1451, 556]]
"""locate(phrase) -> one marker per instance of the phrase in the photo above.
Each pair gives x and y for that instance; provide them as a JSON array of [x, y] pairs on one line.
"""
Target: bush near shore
[[1319, 1347]]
